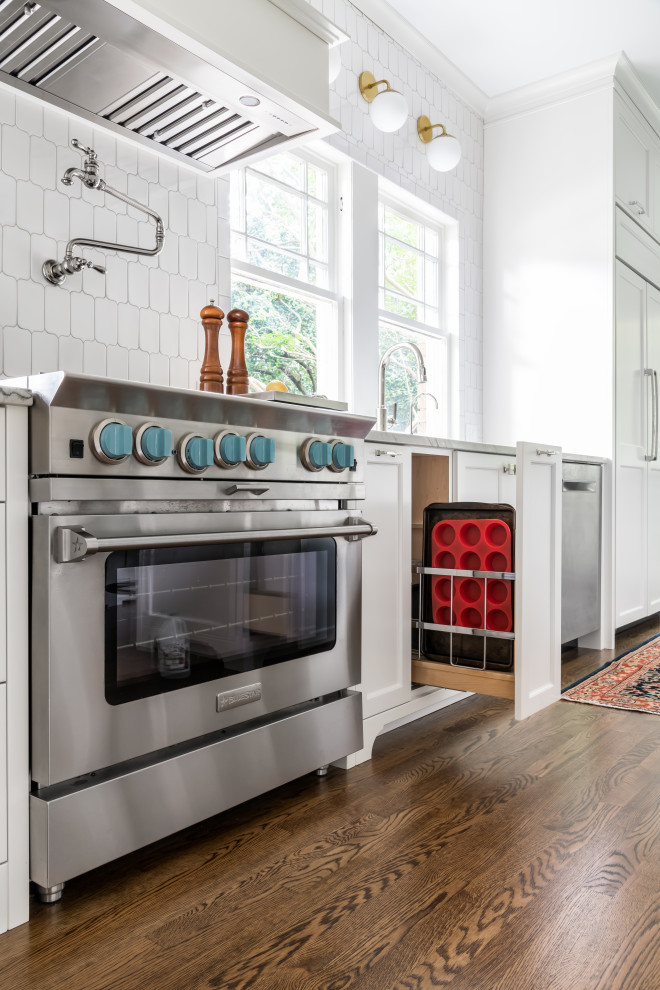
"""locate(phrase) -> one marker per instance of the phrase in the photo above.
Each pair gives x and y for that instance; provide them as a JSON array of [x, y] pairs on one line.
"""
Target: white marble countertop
[[442, 443], [12, 396]]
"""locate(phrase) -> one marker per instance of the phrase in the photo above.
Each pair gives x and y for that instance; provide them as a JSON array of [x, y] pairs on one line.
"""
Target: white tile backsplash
[[31, 311], [128, 326], [105, 321], [149, 331], [70, 354], [17, 350], [15, 252], [45, 351], [94, 358], [117, 362], [115, 323]]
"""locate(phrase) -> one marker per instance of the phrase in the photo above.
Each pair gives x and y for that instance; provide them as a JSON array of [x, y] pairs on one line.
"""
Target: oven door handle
[[75, 543]]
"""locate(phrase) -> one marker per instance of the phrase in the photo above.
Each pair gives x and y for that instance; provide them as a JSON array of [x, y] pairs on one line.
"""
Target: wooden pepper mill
[[237, 373], [210, 375]]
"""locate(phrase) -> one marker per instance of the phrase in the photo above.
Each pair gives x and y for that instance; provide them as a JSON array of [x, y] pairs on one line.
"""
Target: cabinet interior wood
[[430, 483]]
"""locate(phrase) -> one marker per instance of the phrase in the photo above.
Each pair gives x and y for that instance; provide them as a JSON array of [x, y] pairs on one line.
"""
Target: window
[[283, 271], [412, 309]]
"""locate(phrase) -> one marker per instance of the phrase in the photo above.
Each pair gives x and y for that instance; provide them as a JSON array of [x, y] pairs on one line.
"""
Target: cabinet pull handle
[[653, 375], [548, 453], [654, 397], [640, 211], [385, 453], [509, 468]]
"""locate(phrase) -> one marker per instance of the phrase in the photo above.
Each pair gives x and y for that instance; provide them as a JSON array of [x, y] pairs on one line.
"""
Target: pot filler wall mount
[[196, 608], [56, 272]]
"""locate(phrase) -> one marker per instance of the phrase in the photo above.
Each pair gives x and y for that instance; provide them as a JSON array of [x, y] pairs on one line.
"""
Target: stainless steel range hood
[[208, 82]]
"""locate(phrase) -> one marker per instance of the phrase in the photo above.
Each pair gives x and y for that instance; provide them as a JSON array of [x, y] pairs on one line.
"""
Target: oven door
[[152, 630]]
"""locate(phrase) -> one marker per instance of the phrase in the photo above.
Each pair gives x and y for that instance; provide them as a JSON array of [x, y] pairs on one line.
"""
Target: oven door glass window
[[183, 616]]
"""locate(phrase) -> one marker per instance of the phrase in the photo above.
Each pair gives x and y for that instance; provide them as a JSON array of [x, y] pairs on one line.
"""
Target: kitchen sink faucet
[[382, 368], [56, 271], [414, 406]]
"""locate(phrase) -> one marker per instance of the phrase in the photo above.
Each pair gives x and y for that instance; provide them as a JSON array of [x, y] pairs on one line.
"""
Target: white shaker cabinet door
[[633, 164], [538, 578], [484, 477], [653, 512], [633, 441], [386, 582], [3, 775]]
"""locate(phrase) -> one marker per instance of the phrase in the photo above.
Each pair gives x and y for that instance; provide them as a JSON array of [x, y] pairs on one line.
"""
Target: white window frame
[[417, 211], [330, 353]]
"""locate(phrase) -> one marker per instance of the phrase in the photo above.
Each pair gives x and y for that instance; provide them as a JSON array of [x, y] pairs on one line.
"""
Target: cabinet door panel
[[3, 773], [653, 362], [538, 578], [632, 441], [632, 164], [386, 631], [483, 478]]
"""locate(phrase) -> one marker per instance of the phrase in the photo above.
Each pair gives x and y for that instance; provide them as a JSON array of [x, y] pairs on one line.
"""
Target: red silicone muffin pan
[[472, 545]]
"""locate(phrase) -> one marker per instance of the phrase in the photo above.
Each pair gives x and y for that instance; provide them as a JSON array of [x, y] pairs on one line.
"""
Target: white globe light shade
[[389, 110], [334, 63], [443, 153]]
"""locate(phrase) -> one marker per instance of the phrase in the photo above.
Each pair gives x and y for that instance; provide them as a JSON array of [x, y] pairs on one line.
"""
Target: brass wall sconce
[[444, 150], [387, 108]]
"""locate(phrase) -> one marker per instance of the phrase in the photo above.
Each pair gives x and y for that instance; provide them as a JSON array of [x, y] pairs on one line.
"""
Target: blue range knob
[[199, 453], [261, 451], [232, 449], [156, 443], [116, 441], [319, 454], [343, 456]]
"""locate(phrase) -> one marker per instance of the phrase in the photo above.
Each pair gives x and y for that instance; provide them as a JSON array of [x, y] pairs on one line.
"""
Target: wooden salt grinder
[[237, 373], [210, 375]]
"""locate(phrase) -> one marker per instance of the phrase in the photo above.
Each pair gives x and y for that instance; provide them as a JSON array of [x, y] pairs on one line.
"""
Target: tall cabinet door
[[386, 632], [653, 512], [632, 441]]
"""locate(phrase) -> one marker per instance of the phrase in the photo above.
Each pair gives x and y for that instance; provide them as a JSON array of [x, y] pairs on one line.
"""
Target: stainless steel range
[[196, 563]]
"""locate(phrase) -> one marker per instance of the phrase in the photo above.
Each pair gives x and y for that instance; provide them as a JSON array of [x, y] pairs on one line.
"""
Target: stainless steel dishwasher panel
[[581, 559]]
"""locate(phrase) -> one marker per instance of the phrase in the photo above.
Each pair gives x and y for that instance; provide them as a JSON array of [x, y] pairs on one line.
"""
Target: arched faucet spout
[[382, 369]]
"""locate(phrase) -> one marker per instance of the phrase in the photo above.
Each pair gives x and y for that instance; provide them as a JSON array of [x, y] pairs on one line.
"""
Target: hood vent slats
[[42, 48]]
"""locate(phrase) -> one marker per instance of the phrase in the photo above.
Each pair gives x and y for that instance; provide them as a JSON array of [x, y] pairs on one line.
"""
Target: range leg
[[50, 895]]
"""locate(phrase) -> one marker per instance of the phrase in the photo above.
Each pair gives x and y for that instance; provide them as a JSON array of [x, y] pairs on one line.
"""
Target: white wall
[[548, 292]]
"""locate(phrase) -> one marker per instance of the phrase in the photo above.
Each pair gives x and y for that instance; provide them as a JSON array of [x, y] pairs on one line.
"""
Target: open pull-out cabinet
[[535, 680]]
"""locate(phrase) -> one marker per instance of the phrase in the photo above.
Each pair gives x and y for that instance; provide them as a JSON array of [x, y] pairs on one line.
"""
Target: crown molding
[[403, 33], [564, 86], [314, 21], [634, 88]]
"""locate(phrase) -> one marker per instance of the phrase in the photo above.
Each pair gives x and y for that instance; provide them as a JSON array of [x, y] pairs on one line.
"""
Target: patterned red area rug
[[631, 681]]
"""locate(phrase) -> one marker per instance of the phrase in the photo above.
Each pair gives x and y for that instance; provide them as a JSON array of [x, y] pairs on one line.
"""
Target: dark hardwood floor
[[473, 851]]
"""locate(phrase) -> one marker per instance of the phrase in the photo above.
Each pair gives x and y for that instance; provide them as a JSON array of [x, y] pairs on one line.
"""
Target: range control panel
[[86, 427], [115, 445]]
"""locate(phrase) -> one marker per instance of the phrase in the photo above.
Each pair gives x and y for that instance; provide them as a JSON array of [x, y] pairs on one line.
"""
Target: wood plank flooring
[[473, 851]]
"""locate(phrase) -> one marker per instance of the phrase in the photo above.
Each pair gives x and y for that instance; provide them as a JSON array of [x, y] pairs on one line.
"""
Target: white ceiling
[[506, 44]]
